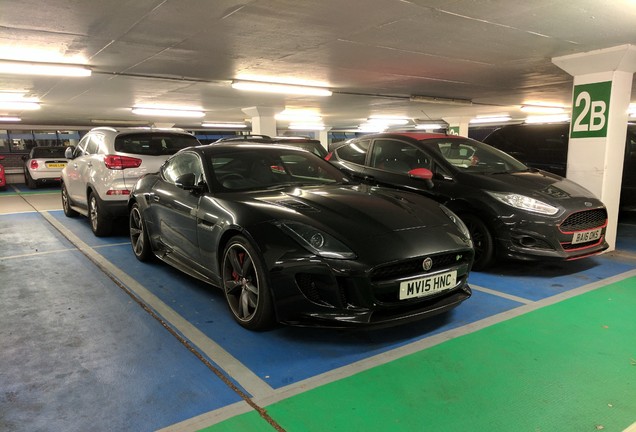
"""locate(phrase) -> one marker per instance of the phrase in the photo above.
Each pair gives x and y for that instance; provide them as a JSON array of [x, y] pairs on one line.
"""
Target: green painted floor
[[570, 366]]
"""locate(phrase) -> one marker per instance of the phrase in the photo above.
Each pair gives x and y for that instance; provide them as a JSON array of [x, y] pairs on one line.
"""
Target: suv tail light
[[116, 162], [34, 164]]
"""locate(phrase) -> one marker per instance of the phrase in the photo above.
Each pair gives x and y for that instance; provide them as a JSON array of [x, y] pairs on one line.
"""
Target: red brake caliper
[[241, 258]]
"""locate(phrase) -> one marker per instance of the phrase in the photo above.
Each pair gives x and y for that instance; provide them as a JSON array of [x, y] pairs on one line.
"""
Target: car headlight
[[457, 221], [524, 203], [317, 241]]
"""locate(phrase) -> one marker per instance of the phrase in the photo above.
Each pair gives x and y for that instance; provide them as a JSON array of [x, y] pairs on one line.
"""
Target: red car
[[3, 179]]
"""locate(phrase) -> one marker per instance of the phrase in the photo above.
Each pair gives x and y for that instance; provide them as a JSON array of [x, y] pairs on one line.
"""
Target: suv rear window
[[153, 144]]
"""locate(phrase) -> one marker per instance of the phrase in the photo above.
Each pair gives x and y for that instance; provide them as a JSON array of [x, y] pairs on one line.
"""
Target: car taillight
[[34, 164], [329, 155], [117, 162], [117, 192]]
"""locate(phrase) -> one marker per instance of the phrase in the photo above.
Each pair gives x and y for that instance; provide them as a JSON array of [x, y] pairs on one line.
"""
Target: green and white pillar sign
[[590, 110]]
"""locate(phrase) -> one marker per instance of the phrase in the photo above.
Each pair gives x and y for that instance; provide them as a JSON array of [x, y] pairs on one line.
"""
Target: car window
[[48, 152], [474, 156], [355, 152], [93, 144], [397, 156], [153, 144], [183, 163], [253, 169]]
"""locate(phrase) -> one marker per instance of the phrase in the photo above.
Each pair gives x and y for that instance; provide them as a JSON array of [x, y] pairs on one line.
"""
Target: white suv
[[105, 166]]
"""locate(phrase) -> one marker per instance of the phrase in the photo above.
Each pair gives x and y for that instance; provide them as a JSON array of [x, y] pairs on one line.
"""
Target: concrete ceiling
[[373, 54]]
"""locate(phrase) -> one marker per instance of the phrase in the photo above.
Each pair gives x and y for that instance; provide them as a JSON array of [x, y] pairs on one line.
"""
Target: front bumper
[[544, 238], [345, 294]]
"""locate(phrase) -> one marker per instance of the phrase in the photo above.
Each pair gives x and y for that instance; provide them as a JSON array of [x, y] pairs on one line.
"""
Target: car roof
[[244, 144], [414, 135], [125, 130]]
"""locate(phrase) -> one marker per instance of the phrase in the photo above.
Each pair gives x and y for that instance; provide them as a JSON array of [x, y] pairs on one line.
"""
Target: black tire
[[138, 234], [245, 285], [100, 223], [482, 241], [30, 182], [66, 203]]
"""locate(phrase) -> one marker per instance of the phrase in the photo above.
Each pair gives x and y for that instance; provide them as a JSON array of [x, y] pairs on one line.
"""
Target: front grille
[[414, 266], [584, 220]]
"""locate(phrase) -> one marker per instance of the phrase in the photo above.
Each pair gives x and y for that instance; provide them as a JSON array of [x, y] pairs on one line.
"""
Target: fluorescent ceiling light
[[492, 119], [10, 119], [542, 109], [270, 87], [165, 112], [557, 118], [50, 69], [440, 100], [19, 105], [387, 120], [225, 125], [372, 127]]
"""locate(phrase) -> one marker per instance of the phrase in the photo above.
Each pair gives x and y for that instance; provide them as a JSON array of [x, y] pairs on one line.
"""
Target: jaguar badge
[[427, 264]]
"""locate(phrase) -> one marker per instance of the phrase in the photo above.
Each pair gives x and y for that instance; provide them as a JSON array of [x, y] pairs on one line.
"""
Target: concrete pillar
[[458, 125], [323, 136], [263, 121], [601, 96]]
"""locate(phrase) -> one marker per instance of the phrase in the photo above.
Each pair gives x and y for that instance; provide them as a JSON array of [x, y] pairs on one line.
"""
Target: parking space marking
[[36, 254], [501, 294], [256, 387], [282, 393]]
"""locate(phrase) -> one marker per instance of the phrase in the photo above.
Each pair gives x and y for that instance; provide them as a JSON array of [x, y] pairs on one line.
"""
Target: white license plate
[[427, 286], [586, 236]]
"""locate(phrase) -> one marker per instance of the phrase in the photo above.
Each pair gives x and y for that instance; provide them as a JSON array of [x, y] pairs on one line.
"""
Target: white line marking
[[36, 254], [232, 367], [216, 416], [501, 294]]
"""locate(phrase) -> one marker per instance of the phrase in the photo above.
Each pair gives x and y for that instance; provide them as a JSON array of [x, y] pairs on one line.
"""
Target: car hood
[[534, 183], [368, 218]]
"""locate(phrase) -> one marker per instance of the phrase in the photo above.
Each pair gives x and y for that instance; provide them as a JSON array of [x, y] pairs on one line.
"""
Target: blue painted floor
[[79, 353]]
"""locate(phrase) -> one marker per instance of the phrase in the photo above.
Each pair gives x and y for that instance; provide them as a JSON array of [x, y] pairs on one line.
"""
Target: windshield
[[249, 168], [476, 157]]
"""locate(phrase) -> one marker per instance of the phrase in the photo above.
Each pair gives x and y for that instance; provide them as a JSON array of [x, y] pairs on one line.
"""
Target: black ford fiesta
[[289, 238], [511, 210]]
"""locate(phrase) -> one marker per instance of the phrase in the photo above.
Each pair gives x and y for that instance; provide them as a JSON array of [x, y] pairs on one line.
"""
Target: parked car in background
[[545, 146], [3, 178], [290, 238], [309, 144], [510, 209], [105, 165], [44, 165]]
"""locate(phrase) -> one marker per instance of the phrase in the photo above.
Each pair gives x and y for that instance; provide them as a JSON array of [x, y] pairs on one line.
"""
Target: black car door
[[174, 209]]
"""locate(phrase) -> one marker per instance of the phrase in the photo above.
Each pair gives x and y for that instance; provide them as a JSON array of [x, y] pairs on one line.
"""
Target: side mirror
[[187, 182], [68, 153], [423, 174]]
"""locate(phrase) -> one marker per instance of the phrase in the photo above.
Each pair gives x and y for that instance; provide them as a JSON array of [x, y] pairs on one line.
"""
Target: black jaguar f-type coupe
[[290, 239]]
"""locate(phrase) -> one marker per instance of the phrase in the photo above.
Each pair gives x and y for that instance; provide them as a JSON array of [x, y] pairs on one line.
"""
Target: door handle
[[155, 198]]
